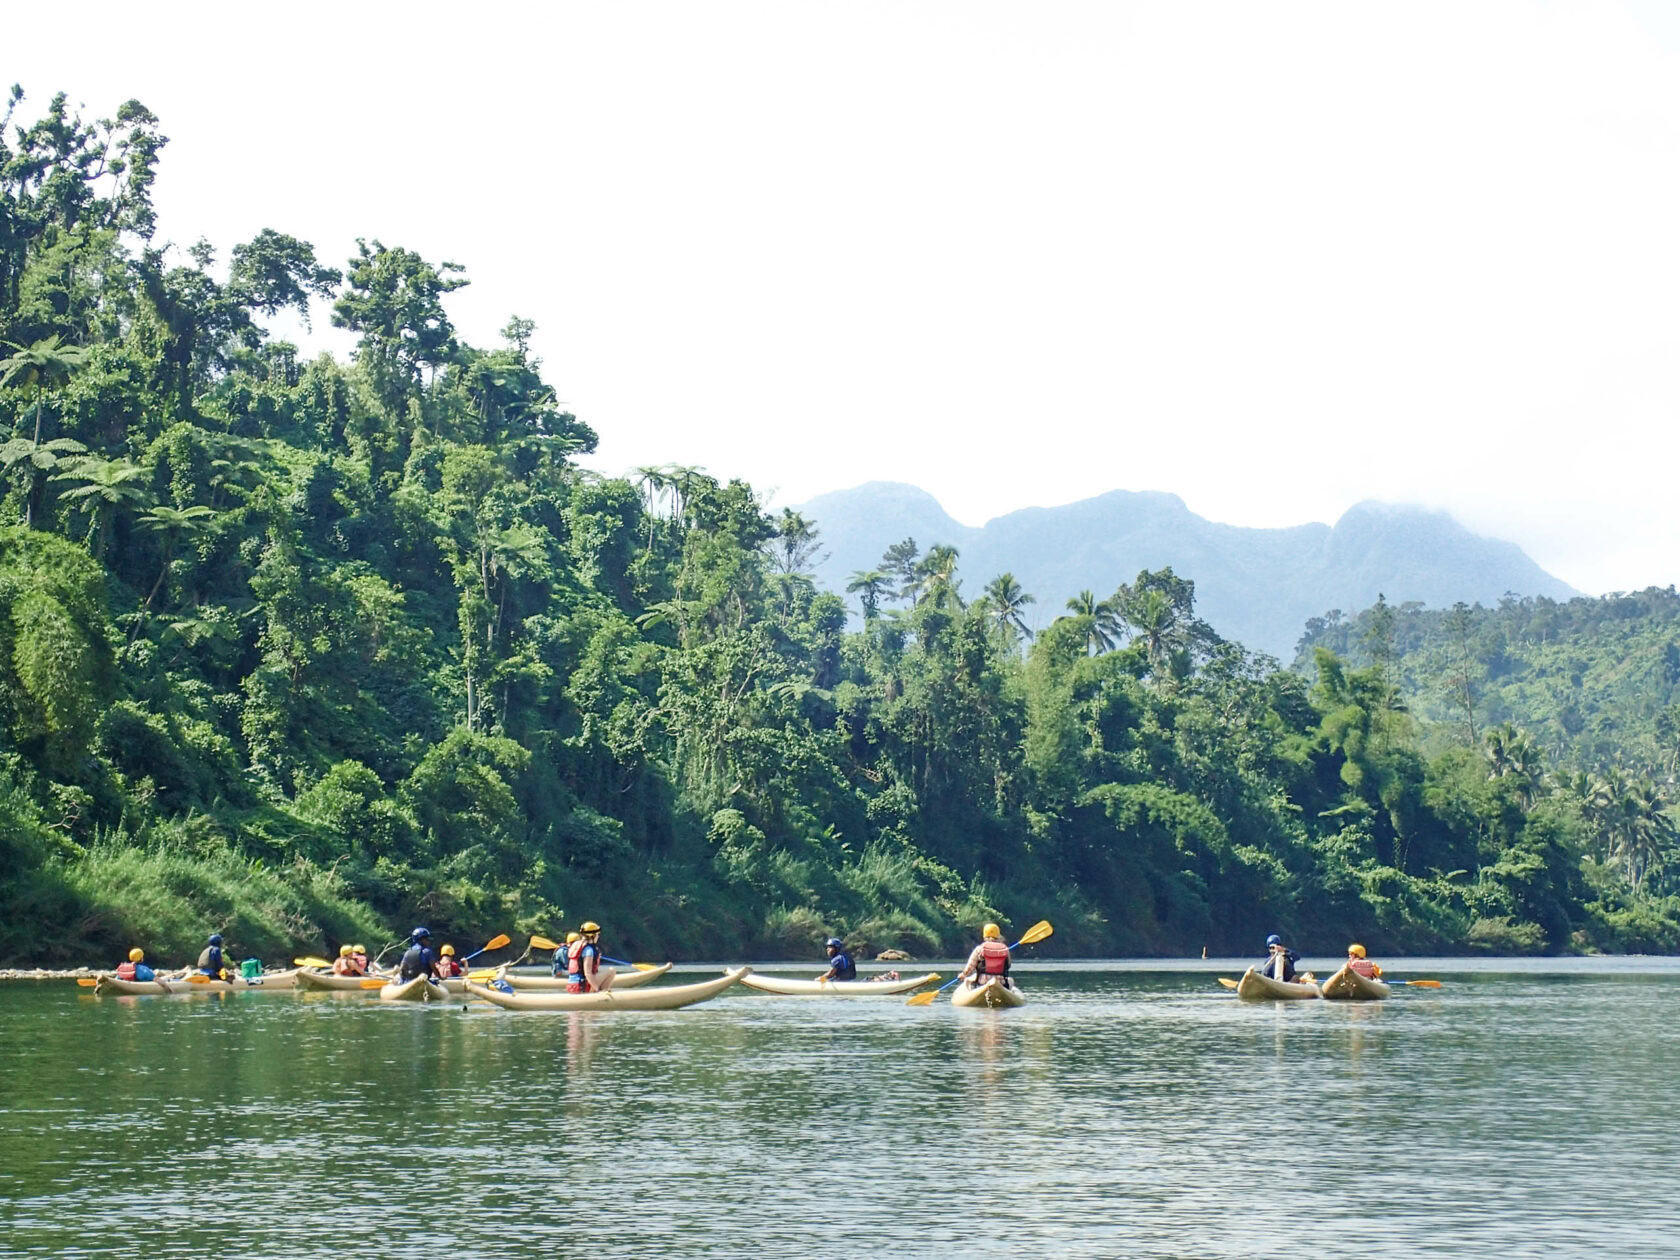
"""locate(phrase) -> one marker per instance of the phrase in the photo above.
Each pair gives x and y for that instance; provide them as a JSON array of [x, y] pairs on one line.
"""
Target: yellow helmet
[[589, 927], [358, 949], [136, 955], [1356, 951], [573, 936], [992, 932], [448, 951], [344, 951]]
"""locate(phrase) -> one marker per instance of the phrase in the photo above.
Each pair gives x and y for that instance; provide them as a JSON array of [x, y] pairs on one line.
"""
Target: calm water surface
[[1525, 1109]]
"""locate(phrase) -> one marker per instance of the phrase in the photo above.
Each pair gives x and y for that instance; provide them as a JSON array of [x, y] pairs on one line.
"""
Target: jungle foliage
[[308, 651]]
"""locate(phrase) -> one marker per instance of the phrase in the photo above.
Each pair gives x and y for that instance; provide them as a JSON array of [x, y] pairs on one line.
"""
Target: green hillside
[[306, 652]]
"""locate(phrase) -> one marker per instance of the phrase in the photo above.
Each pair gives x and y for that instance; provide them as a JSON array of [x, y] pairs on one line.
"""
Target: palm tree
[[32, 460], [1512, 754], [1005, 601], [1104, 630], [936, 577], [107, 485], [869, 587], [46, 365]]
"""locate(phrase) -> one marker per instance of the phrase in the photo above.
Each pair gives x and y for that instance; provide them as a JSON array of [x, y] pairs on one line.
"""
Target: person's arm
[[972, 963]]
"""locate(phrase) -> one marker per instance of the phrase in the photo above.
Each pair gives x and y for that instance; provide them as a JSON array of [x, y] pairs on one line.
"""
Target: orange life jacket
[[994, 958]]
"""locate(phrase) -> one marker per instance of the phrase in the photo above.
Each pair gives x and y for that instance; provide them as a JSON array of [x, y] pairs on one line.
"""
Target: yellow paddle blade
[[488, 973], [87, 982], [923, 999], [644, 967], [198, 977], [542, 942], [496, 942], [374, 982], [310, 962], [1228, 983], [1423, 984], [1036, 933]]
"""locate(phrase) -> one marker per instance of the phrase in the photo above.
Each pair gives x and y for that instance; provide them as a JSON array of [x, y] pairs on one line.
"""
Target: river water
[[1526, 1108]]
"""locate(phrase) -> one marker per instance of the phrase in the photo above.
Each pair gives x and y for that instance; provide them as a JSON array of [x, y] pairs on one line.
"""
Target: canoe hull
[[1257, 987], [328, 982], [783, 987], [279, 981], [419, 989], [994, 995], [622, 980], [660, 998], [1349, 985]]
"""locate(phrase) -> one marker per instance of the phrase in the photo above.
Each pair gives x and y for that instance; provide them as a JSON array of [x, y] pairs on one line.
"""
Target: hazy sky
[[1276, 259]]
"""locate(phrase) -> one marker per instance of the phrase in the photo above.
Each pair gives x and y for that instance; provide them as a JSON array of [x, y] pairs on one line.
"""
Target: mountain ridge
[[1256, 585]]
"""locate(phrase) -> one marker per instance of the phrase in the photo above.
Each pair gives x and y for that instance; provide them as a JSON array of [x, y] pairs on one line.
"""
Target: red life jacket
[[994, 958], [125, 971], [449, 967], [1364, 967], [577, 981]]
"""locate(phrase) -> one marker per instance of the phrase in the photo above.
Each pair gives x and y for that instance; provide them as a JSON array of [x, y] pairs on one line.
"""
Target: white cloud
[[1276, 259]]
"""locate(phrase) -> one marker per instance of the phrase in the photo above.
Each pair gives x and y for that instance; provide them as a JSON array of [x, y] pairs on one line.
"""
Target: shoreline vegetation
[[309, 651]]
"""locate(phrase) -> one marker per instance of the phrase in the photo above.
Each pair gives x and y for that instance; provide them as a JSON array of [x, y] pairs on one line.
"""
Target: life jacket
[[994, 958], [844, 967], [416, 962], [1364, 967], [449, 967], [562, 960], [583, 960], [210, 961], [125, 971], [343, 967]]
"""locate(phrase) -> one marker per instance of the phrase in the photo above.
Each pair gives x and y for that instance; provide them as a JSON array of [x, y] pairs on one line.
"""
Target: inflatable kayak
[[331, 982], [994, 994], [1349, 984], [1255, 985], [833, 988], [280, 981], [419, 989], [659, 998], [557, 984]]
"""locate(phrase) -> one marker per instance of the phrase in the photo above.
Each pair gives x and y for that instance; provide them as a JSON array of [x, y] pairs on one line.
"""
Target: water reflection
[[1119, 1113]]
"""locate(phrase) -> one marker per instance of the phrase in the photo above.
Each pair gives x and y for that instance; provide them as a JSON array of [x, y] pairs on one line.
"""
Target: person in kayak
[[1357, 962], [447, 967], [360, 954], [210, 960], [345, 964], [583, 965], [989, 959], [563, 955], [419, 960], [1280, 960], [840, 964], [135, 968]]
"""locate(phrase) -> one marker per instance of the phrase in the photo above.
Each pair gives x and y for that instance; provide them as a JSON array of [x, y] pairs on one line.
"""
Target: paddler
[[1280, 960], [840, 964], [1359, 963], [563, 955], [360, 954], [135, 968], [345, 963], [447, 967], [990, 958], [583, 962], [419, 960], [210, 960]]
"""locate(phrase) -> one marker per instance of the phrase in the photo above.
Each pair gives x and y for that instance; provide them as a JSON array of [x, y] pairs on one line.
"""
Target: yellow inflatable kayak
[[1349, 984], [1254, 985], [622, 979], [419, 989], [658, 998], [785, 987], [993, 994]]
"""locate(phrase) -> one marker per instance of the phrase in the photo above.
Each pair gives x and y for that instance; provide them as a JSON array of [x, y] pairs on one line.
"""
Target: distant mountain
[[1257, 586]]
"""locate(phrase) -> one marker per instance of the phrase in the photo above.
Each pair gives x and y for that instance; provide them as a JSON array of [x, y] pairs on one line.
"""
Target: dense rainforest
[[309, 651]]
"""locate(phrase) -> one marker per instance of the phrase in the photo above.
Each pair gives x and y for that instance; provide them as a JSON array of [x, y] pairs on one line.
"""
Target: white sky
[[1274, 258]]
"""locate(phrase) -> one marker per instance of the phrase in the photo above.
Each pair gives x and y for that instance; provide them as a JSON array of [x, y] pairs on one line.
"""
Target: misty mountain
[[1257, 586]]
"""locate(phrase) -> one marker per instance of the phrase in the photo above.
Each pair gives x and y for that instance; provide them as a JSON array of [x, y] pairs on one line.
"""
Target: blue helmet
[[216, 938], [420, 934], [834, 942], [1273, 939]]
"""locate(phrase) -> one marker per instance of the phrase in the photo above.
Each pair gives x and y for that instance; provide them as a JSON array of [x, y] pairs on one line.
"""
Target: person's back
[[418, 960], [1280, 960], [135, 968], [210, 960], [989, 959], [1358, 963]]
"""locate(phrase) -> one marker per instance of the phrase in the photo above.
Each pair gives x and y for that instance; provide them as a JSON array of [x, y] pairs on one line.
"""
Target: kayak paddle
[[496, 942], [1036, 933], [310, 962]]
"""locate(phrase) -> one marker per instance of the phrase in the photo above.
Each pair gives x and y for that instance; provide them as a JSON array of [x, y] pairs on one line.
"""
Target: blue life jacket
[[418, 961], [559, 963], [143, 972], [844, 967]]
